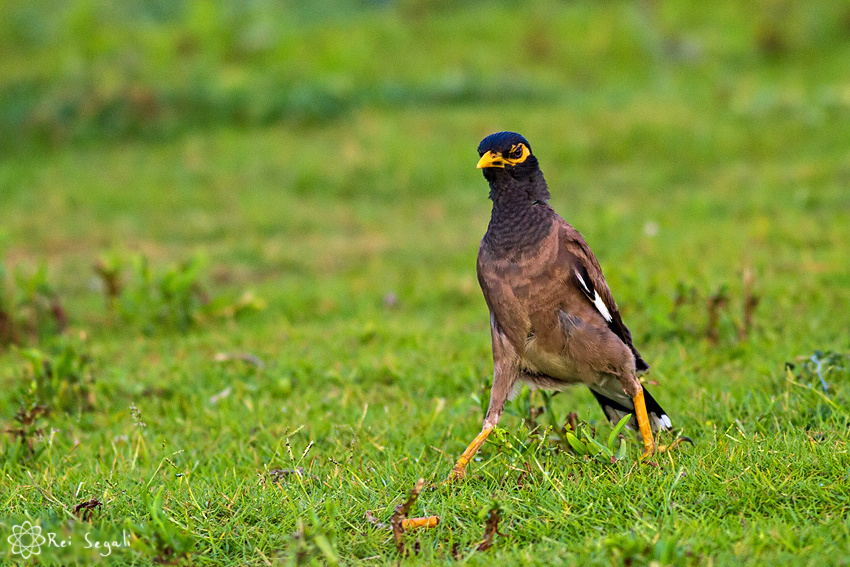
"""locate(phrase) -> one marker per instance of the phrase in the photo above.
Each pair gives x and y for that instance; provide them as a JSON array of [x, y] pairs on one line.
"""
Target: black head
[[507, 151]]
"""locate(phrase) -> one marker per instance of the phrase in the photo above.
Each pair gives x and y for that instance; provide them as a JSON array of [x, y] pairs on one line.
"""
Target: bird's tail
[[618, 405]]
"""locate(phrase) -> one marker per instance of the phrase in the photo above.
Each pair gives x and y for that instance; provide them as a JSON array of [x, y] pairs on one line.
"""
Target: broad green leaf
[[590, 441], [623, 450], [577, 445], [617, 429]]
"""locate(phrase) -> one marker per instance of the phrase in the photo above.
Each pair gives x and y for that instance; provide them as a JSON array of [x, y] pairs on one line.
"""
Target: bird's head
[[511, 169], [506, 153]]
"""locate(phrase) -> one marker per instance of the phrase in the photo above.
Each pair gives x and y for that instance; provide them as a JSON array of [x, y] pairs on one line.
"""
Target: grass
[[690, 145]]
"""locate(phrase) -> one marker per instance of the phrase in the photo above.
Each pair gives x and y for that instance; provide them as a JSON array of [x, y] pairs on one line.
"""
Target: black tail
[[618, 405]]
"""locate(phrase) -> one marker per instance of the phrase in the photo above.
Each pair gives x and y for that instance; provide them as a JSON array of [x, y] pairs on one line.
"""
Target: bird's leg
[[459, 470], [502, 385], [505, 374], [643, 425], [649, 446], [498, 397]]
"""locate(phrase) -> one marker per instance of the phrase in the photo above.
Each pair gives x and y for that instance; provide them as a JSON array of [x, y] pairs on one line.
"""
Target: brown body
[[545, 331], [553, 319]]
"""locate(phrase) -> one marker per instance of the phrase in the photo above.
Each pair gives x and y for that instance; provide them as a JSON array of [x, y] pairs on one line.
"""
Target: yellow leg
[[649, 446], [643, 425], [459, 470]]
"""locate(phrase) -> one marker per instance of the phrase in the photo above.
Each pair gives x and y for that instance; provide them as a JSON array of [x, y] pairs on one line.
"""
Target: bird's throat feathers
[[521, 216], [510, 190]]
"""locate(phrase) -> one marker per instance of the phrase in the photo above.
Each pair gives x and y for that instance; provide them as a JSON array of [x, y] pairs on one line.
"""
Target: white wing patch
[[601, 307], [581, 281], [597, 300]]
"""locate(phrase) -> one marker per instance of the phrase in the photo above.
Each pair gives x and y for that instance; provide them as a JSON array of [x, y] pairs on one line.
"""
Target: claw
[[458, 473], [459, 470], [674, 444], [653, 449]]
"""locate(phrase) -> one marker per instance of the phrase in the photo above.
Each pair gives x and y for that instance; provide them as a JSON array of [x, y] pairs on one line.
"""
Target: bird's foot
[[459, 470], [458, 473], [651, 448], [673, 445]]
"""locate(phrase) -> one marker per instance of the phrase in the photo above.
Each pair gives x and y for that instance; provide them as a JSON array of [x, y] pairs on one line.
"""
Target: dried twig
[[84, 510], [491, 529], [370, 517], [60, 316], [279, 474], [715, 303], [28, 416], [751, 301], [572, 422], [400, 514], [520, 481], [26, 432], [530, 421], [111, 278], [8, 330], [680, 299]]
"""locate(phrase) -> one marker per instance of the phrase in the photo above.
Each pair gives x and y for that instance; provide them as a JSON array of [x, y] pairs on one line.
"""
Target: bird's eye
[[516, 152]]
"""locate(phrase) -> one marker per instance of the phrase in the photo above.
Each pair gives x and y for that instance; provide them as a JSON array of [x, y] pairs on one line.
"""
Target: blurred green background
[[89, 70], [322, 155], [271, 127]]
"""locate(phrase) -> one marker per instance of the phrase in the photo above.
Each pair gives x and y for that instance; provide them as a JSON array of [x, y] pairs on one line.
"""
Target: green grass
[[723, 127]]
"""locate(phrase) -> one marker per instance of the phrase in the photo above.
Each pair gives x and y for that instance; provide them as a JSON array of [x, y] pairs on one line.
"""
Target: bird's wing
[[587, 275]]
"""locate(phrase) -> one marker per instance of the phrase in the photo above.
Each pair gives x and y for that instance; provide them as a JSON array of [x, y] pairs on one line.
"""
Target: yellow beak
[[491, 160]]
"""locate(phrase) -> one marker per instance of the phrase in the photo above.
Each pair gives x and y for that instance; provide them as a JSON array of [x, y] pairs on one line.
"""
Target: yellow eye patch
[[516, 155]]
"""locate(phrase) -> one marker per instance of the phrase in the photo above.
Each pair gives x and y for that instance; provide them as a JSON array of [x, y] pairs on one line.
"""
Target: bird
[[553, 319]]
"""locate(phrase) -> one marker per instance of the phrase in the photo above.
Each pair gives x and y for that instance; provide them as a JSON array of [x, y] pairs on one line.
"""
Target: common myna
[[553, 320]]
